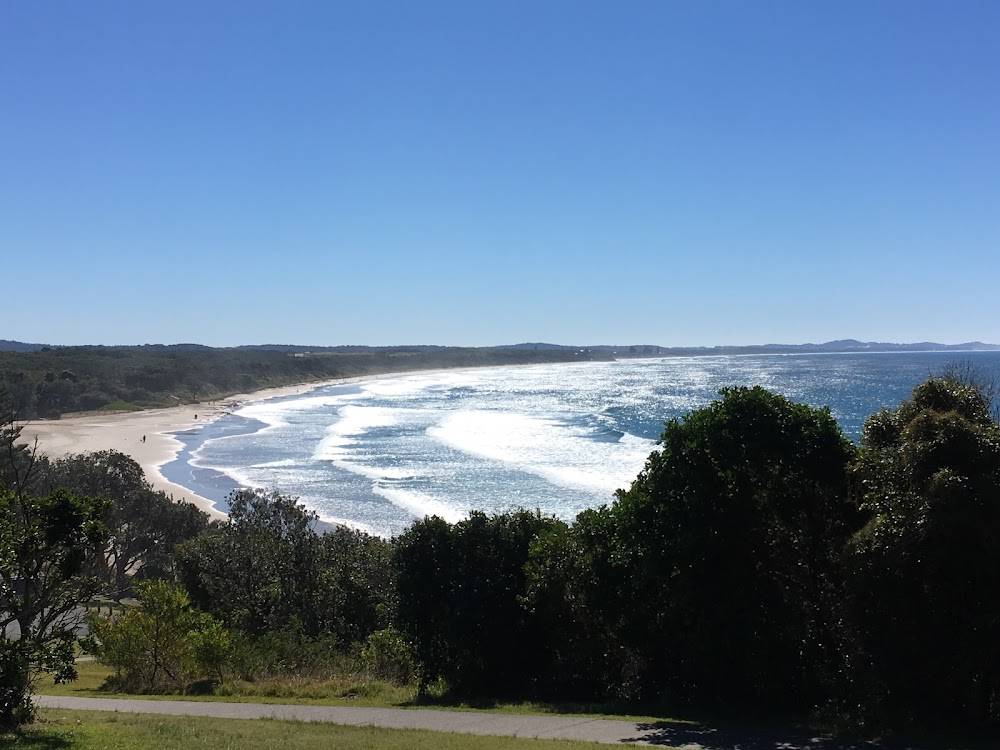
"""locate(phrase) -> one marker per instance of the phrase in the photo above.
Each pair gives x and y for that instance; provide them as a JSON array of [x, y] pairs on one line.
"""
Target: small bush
[[161, 644], [287, 652], [388, 655]]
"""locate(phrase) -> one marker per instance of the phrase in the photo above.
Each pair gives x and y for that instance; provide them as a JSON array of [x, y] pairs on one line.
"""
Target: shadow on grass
[[40, 738], [719, 737], [725, 737]]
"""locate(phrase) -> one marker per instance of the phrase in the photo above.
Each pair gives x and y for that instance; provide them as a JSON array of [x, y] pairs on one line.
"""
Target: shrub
[[387, 655], [161, 643]]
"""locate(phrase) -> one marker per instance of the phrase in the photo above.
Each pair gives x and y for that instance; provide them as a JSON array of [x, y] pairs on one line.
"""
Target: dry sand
[[98, 431]]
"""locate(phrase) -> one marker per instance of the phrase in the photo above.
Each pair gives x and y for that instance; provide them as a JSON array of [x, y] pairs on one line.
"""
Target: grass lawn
[[342, 691], [97, 730]]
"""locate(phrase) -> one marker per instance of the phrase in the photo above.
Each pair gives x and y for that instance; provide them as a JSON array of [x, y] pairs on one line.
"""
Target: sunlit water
[[563, 437]]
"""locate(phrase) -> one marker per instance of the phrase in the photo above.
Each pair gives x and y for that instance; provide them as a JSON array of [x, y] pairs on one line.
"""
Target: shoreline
[[124, 432], [89, 432]]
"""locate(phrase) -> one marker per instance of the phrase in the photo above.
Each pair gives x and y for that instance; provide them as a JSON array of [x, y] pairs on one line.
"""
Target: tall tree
[[460, 600], [144, 525], [724, 554], [45, 542], [268, 569], [44, 545], [926, 567]]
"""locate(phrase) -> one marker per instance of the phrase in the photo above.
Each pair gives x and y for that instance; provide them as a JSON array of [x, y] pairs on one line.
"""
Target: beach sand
[[123, 432]]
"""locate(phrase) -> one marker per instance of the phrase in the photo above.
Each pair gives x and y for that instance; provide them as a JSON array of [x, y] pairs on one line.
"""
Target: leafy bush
[[16, 708], [287, 652], [160, 644], [388, 655]]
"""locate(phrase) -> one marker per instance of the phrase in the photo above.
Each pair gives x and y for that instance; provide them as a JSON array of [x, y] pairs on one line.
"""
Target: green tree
[[45, 540], [925, 569], [461, 589], [579, 590], [159, 644], [44, 545], [144, 526], [268, 570], [719, 581], [356, 588], [258, 572]]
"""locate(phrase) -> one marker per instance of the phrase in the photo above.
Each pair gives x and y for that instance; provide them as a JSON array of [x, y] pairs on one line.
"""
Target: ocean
[[380, 453]]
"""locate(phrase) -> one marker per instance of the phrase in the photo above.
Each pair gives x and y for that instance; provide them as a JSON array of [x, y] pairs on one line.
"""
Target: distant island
[[47, 381]]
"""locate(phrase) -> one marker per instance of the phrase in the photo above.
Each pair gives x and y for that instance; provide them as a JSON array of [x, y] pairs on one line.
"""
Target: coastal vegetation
[[759, 562], [52, 381]]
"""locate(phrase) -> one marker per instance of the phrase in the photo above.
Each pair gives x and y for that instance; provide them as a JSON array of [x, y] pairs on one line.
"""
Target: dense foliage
[[925, 569], [712, 579], [268, 570], [460, 588], [47, 543], [142, 525]]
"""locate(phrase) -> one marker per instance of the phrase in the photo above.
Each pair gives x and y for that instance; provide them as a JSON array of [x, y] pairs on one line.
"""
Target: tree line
[[759, 561], [54, 381]]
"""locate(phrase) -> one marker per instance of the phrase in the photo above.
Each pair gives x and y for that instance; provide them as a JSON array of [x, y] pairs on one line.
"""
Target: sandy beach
[[124, 432]]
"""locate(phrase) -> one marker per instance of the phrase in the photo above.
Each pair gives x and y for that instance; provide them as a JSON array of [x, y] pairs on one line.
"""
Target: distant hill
[[840, 346], [20, 346], [625, 350]]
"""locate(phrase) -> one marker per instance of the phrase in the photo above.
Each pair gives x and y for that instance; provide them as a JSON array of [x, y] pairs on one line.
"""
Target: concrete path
[[466, 722], [608, 731]]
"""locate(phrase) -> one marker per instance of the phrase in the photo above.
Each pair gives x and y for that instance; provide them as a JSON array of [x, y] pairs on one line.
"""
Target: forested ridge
[[759, 562], [54, 381]]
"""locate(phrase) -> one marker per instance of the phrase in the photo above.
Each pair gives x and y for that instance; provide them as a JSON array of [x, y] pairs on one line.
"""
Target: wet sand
[[124, 432]]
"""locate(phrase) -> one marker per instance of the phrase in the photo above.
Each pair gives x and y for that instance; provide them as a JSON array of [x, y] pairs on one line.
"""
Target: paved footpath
[[467, 722], [608, 731]]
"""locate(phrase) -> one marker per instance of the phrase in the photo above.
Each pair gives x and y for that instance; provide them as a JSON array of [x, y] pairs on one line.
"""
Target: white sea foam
[[243, 476], [408, 385], [275, 464], [371, 471], [274, 412], [560, 453], [418, 504], [353, 421]]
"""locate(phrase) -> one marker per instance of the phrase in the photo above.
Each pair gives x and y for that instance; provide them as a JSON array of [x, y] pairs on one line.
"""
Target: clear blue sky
[[479, 173]]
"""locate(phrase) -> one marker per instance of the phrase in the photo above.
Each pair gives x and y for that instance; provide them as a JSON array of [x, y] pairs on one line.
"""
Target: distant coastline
[[839, 346]]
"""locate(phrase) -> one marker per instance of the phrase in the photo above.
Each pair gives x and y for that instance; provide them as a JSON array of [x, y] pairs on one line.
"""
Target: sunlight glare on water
[[563, 437]]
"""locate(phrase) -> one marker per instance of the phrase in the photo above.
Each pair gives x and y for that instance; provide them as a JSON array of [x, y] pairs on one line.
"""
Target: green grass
[[96, 730], [344, 690], [122, 406]]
